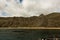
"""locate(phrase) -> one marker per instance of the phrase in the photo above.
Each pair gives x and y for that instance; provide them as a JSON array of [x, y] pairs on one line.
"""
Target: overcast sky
[[27, 8]]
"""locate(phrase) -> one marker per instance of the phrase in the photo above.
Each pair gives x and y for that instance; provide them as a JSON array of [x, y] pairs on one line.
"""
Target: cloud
[[27, 8]]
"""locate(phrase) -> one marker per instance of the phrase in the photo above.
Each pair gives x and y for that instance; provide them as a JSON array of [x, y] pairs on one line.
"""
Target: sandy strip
[[29, 27]]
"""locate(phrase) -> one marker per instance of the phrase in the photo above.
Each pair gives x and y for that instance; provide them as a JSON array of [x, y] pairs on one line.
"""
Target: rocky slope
[[51, 20]]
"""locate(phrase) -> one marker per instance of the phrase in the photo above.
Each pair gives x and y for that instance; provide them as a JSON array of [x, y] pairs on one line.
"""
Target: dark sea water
[[19, 34]]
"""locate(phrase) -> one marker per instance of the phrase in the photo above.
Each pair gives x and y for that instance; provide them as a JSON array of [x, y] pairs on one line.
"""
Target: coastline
[[29, 27]]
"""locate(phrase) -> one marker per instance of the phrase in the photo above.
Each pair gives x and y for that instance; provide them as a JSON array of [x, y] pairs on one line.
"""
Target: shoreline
[[29, 27]]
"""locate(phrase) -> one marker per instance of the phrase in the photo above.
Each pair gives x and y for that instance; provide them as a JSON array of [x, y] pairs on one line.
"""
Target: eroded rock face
[[24, 22], [51, 20]]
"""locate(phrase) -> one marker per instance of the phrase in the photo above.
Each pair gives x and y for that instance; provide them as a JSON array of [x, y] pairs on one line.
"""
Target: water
[[18, 34], [13, 34]]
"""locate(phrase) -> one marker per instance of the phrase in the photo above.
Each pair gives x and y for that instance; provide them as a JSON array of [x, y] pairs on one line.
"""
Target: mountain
[[50, 20], [23, 22], [54, 19]]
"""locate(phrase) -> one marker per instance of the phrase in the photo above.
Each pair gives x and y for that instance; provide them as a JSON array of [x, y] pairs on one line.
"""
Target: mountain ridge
[[49, 20]]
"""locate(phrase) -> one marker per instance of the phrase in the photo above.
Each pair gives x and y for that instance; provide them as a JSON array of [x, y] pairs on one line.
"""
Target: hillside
[[51, 20]]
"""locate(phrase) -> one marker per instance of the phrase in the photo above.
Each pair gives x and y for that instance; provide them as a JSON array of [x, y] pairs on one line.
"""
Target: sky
[[28, 8]]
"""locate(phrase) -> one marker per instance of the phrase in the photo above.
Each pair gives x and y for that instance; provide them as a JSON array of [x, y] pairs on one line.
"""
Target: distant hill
[[51, 20], [52, 15]]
